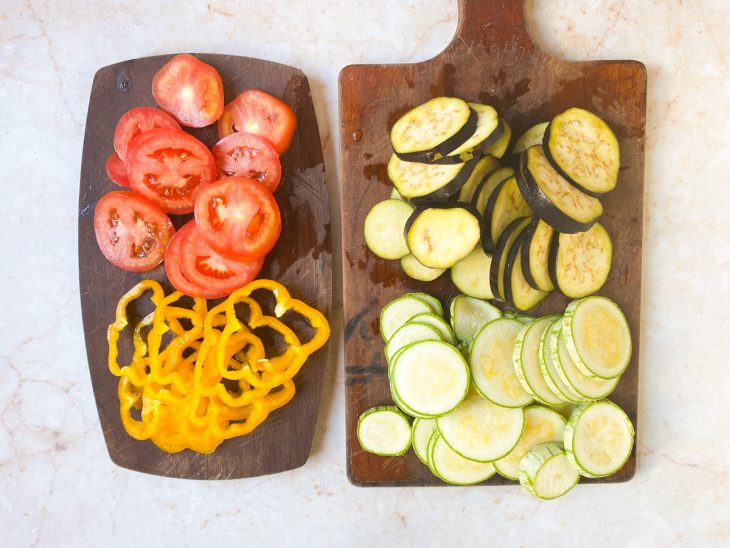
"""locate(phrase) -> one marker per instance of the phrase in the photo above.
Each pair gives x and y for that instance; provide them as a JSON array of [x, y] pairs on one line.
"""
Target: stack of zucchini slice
[[486, 392]]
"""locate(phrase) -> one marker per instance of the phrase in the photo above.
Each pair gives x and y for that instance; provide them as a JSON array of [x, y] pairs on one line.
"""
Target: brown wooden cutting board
[[493, 60], [301, 260]]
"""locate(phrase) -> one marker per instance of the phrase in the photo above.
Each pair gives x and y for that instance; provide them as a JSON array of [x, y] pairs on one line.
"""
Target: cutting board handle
[[492, 23]]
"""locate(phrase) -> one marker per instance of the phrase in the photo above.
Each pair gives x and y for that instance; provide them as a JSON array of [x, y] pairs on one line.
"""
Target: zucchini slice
[[469, 315], [480, 430], [384, 431], [433, 302], [483, 168], [486, 188], [384, 226], [542, 425], [438, 323], [417, 271], [421, 431], [551, 197], [398, 312], [440, 235], [546, 472], [432, 129], [395, 195], [500, 146], [430, 377], [584, 150], [449, 466], [504, 206], [597, 337], [422, 183], [517, 292], [471, 274], [487, 123], [599, 438], [536, 253], [526, 361], [531, 137], [549, 371], [408, 333], [490, 363], [579, 264], [499, 259]]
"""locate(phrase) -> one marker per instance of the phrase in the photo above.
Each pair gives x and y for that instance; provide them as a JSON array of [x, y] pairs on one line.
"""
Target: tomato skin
[[131, 231], [238, 217], [248, 155], [175, 275], [136, 121], [255, 111], [168, 167], [116, 171], [190, 90]]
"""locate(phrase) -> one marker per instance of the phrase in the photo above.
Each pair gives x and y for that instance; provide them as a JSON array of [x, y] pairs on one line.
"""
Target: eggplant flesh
[[531, 137], [517, 292], [484, 167], [505, 205], [499, 259], [421, 183], [487, 124], [535, 255], [579, 264], [484, 191]]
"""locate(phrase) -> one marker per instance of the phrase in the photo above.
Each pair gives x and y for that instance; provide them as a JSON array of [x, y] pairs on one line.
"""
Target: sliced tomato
[[136, 121], [131, 231], [168, 166], [198, 270], [238, 216], [190, 90], [248, 155], [255, 111], [116, 171]]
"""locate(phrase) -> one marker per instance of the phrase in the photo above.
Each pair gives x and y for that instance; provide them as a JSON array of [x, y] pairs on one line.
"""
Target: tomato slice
[[116, 171], [255, 111], [248, 155], [190, 90], [131, 231], [168, 166], [238, 216], [136, 121], [198, 270]]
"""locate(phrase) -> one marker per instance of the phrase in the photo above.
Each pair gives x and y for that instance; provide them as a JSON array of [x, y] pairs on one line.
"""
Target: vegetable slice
[[504, 206], [422, 183], [421, 432], [417, 271], [546, 472], [579, 264], [531, 137], [535, 255], [548, 370], [248, 155], [435, 304], [384, 226], [517, 292], [384, 431], [482, 169], [500, 146], [408, 333], [487, 122], [471, 274], [525, 358], [469, 315], [499, 260], [438, 323], [452, 468], [398, 312]]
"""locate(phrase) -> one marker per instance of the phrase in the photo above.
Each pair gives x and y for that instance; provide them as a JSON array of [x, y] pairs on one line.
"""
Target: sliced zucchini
[[433, 128], [417, 271], [490, 363], [395, 195], [524, 319], [482, 169], [527, 363], [430, 299], [597, 337], [550, 373], [384, 431], [599, 438], [398, 312], [439, 324], [546, 473], [441, 235], [408, 333], [384, 227], [551, 197], [487, 186], [421, 431], [452, 468], [542, 425], [584, 150], [536, 253], [469, 315], [403, 407], [480, 430], [517, 292], [579, 264], [531, 137], [499, 260], [424, 183], [500, 146], [487, 122], [430, 377], [504, 206], [471, 274]]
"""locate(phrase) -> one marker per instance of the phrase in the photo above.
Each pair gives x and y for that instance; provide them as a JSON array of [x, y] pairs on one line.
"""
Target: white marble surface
[[57, 484]]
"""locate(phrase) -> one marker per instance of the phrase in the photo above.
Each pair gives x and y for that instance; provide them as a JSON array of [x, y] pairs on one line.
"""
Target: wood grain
[[491, 59], [301, 260]]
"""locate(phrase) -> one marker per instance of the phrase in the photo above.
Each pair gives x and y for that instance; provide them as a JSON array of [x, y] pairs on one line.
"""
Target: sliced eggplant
[[579, 263], [517, 292], [499, 259], [482, 169], [433, 129], [422, 183], [536, 253], [504, 206], [584, 150], [531, 137], [440, 235], [500, 146], [487, 186], [487, 123], [551, 197], [471, 274]]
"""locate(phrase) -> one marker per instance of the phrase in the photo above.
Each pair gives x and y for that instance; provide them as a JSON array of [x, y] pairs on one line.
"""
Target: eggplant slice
[[499, 259], [579, 263], [536, 253], [517, 292], [480, 198], [553, 198], [504, 206], [531, 137], [584, 150], [484, 167], [487, 124], [422, 183], [499, 147]]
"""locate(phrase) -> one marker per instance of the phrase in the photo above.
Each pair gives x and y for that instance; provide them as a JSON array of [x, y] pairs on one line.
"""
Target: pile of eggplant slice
[[511, 227]]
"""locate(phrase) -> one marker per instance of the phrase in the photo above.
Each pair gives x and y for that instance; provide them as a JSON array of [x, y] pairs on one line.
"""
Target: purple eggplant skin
[[478, 189], [451, 188], [553, 261], [517, 224], [437, 205], [452, 143], [525, 253], [513, 255], [541, 204], [486, 221], [492, 137]]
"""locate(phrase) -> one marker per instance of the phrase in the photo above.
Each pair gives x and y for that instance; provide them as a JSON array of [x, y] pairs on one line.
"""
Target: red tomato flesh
[[190, 90], [255, 111], [250, 156], [116, 171], [131, 231], [238, 217], [136, 121], [167, 167]]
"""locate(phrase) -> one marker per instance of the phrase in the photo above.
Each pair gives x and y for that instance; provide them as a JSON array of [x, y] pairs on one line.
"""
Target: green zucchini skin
[[442, 150], [450, 188]]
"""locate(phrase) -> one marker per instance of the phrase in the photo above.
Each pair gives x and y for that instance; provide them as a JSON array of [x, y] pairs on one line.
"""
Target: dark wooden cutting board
[[301, 261], [493, 60]]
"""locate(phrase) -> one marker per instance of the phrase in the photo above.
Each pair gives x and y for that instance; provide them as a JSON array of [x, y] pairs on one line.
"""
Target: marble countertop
[[57, 484]]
